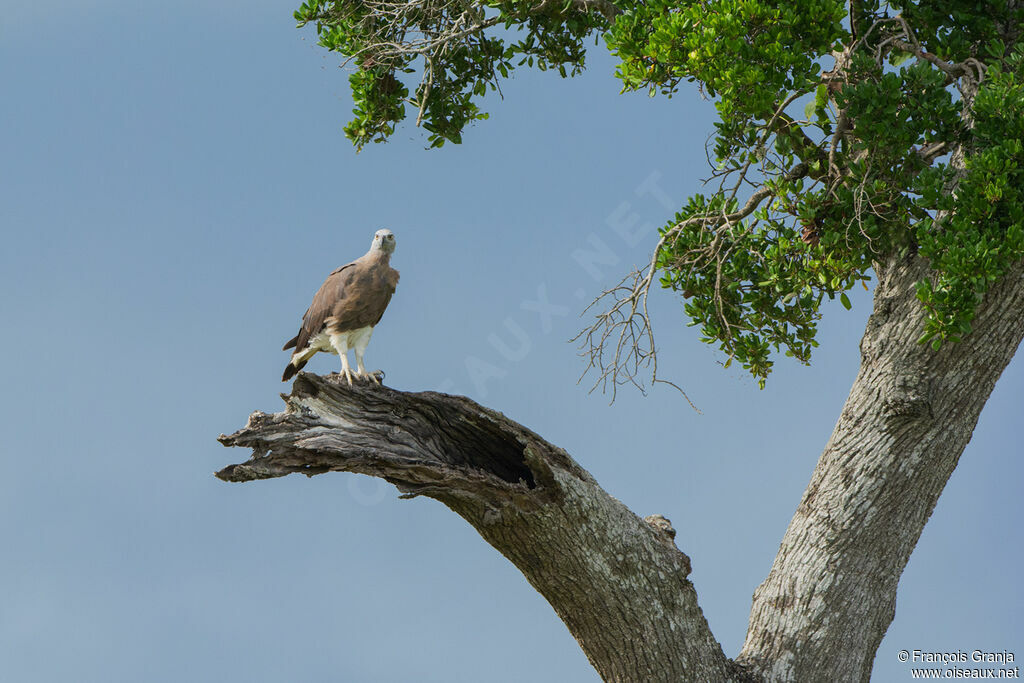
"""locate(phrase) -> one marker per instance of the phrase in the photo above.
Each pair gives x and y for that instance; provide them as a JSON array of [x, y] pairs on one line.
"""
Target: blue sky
[[174, 186]]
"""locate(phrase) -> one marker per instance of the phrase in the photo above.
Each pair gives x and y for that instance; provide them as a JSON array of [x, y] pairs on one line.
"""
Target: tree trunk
[[831, 593], [618, 583]]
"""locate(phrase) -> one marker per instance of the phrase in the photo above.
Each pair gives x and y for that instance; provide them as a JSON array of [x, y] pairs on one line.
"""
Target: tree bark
[[831, 593], [618, 583]]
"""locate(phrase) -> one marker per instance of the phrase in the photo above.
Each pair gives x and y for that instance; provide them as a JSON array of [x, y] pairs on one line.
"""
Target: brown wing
[[331, 292], [367, 294], [391, 283]]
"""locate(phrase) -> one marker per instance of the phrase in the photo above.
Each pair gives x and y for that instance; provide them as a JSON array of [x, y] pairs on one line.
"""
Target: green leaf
[[898, 57], [810, 108]]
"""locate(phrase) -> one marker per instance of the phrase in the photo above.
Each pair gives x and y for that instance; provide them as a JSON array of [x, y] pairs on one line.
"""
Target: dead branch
[[619, 583], [619, 344], [418, 442]]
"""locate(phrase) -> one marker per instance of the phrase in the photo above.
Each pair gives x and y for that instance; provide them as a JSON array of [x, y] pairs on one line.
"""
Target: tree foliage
[[447, 43], [847, 131]]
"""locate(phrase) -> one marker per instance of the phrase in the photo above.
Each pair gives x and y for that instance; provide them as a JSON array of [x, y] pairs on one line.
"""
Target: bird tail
[[297, 362], [290, 344], [292, 368]]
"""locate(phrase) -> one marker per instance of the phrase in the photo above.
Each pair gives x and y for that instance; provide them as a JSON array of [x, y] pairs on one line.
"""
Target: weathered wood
[[619, 583], [413, 440]]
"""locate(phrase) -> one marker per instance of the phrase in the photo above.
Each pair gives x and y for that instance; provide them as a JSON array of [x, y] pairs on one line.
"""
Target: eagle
[[346, 308]]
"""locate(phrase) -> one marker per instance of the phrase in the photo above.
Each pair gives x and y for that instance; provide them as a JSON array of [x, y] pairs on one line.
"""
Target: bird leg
[[341, 346], [361, 369], [345, 370]]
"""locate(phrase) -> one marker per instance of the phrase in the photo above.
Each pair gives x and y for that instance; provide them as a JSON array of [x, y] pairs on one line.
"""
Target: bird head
[[383, 240]]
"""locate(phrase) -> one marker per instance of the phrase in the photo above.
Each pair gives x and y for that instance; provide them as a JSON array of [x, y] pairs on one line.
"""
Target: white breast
[[357, 339]]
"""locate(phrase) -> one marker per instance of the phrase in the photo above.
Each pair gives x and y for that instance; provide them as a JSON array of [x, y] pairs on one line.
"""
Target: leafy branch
[[449, 46]]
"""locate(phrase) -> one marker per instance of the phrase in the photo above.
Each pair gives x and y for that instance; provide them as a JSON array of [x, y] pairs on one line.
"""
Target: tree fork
[[619, 583]]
